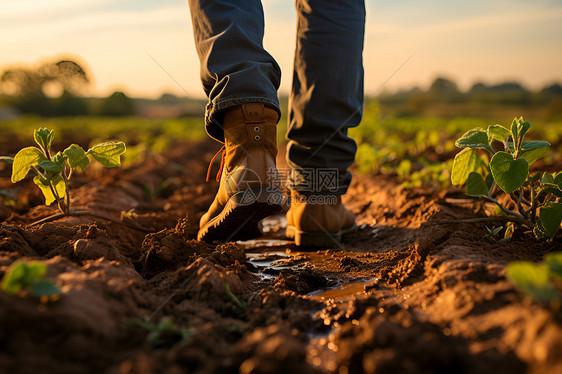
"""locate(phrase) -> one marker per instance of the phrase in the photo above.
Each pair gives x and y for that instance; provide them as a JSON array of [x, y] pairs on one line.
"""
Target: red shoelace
[[221, 151]]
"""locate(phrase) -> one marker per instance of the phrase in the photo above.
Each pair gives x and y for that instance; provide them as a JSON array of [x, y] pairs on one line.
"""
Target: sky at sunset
[[139, 45]]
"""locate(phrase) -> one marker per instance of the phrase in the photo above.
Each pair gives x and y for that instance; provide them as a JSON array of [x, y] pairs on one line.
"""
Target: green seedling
[[54, 170], [534, 199], [165, 333], [538, 280], [241, 304], [28, 278]]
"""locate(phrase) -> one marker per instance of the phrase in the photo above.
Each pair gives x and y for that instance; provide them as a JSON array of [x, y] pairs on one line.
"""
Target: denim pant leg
[[235, 68], [327, 94]]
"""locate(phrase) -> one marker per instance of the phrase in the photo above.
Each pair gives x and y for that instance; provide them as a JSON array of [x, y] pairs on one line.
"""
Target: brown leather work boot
[[318, 220], [249, 181]]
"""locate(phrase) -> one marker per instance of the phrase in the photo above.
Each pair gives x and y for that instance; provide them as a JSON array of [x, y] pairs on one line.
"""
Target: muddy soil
[[412, 291]]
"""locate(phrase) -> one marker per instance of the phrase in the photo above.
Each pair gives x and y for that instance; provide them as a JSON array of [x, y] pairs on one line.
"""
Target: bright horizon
[[127, 44]]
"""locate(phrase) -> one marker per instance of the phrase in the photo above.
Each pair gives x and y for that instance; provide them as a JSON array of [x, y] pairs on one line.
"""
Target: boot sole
[[318, 239], [239, 220]]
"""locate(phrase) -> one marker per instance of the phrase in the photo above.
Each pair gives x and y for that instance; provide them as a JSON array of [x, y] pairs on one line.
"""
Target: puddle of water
[[274, 224], [339, 292], [255, 244], [266, 258], [268, 263]]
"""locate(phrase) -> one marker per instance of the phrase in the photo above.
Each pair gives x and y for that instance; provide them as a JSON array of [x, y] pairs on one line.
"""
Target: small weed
[[164, 334], [28, 278], [538, 280], [241, 304]]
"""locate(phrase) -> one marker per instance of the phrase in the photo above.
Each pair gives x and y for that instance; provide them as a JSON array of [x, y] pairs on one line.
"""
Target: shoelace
[[223, 156]]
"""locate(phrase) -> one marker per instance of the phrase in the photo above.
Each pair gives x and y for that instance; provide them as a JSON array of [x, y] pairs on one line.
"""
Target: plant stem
[[516, 216], [533, 208], [518, 201], [491, 189], [60, 203], [67, 189]]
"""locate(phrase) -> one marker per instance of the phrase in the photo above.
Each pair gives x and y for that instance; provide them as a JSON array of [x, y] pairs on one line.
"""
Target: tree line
[[54, 89]]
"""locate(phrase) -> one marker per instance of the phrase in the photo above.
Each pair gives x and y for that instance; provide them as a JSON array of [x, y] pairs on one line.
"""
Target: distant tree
[[117, 104], [443, 89], [70, 105], [508, 87], [509, 93], [443, 86], [552, 90], [27, 86], [479, 92], [168, 97], [478, 88]]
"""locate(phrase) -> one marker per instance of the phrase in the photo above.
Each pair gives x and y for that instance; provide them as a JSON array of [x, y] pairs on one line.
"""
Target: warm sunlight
[[467, 41]]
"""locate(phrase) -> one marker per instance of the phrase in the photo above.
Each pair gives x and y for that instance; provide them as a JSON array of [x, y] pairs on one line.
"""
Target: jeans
[[327, 89]]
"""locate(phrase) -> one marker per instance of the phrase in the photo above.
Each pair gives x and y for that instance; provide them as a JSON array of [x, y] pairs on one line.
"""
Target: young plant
[[53, 171], [28, 278], [538, 280], [534, 199], [165, 333]]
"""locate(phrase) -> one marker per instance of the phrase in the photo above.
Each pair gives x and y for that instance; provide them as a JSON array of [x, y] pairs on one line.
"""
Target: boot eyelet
[[256, 129], [257, 137]]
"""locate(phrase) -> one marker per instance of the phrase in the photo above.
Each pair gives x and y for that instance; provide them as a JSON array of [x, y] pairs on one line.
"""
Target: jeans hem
[[213, 122]]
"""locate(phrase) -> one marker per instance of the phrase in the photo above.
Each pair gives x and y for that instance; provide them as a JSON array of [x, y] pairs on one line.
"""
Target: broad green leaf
[[548, 184], [9, 160], [550, 218], [534, 155], [21, 275], [475, 185], [532, 145], [539, 231], [489, 180], [44, 138], [557, 191], [51, 166], [465, 162], [554, 262], [475, 138], [508, 173], [24, 160], [533, 279], [58, 185], [44, 287], [77, 158], [558, 180], [498, 132], [547, 178], [524, 273], [108, 154]]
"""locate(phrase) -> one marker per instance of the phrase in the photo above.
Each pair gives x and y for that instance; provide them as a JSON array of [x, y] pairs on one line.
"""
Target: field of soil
[[413, 291]]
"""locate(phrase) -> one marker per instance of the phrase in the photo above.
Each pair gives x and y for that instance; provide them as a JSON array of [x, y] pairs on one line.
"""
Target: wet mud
[[411, 291]]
